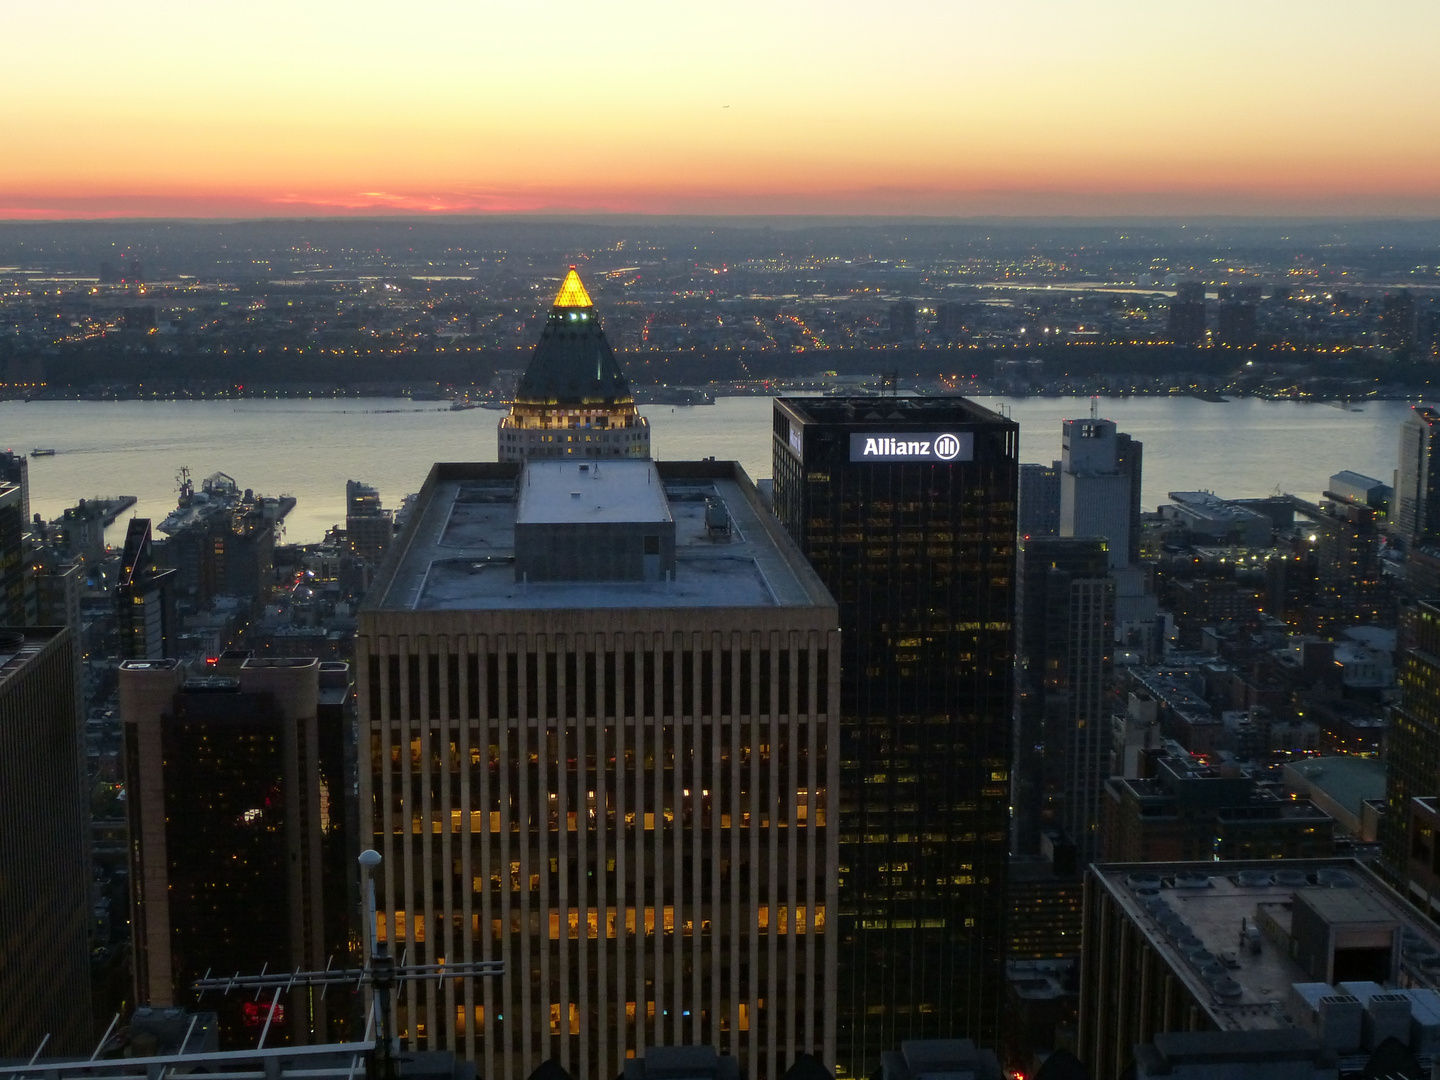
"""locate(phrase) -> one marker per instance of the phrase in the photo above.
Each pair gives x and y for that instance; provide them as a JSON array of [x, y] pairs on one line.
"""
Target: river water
[[308, 449]]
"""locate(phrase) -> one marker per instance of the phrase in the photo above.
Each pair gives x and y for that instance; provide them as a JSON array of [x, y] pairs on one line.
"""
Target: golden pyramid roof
[[572, 293]]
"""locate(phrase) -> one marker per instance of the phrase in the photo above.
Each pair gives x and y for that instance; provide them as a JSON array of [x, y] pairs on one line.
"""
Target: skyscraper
[[44, 848], [573, 400], [1186, 317], [1417, 480], [906, 509], [368, 526], [1413, 742], [1100, 471], [1064, 642], [15, 469], [144, 600], [903, 323], [1236, 323], [1399, 322], [598, 705], [237, 796], [14, 610], [1039, 503]]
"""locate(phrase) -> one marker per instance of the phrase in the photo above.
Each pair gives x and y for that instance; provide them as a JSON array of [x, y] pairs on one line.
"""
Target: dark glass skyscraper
[[44, 848], [144, 604], [1413, 743], [1064, 642], [906, 509], [1417, 480], [241, 833]]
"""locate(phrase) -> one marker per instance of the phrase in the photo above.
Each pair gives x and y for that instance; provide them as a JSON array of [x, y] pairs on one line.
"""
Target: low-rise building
[[1343, 785], [1211, 518], [1179, 808], [1318, 945]]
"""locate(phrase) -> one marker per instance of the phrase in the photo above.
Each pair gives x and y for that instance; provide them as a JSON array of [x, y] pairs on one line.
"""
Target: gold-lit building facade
[[573, 400]]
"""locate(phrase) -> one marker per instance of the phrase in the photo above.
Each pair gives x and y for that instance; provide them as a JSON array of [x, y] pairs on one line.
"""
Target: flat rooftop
[[20, 645], [1206, 504], [1345, 778], [1212, 898], [868, 409], [457, 552], [570, 492]]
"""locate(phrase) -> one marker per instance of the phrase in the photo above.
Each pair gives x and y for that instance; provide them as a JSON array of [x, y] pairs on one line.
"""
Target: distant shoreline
[[693, 396]]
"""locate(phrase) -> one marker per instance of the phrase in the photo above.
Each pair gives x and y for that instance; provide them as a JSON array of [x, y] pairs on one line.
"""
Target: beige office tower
[[598, 729]]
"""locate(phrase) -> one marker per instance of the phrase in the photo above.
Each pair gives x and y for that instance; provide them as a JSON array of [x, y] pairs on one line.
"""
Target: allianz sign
[[912, 446]]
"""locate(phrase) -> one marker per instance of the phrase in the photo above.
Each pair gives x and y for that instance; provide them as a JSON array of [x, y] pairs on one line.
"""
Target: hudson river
[[309, 449]]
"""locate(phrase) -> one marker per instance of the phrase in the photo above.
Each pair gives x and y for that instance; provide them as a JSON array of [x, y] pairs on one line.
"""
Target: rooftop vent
[[1225, 988], [1333, 878]]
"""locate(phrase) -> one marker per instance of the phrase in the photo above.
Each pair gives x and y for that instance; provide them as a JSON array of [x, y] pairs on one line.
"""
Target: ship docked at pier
[[220, 497]]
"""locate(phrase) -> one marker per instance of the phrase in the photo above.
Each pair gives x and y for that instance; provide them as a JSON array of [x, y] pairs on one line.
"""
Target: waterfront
[[1247, 447]]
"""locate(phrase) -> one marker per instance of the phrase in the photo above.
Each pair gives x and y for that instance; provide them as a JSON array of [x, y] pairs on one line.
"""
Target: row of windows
[[628, 922], [574, 1014], [644, 820], [613, 684]]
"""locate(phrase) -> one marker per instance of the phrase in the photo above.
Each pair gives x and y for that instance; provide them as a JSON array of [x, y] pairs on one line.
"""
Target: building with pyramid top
[[573, 401]]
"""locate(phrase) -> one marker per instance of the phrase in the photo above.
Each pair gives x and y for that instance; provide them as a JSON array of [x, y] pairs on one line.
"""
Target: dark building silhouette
[[15, 469], [140, 318], [14, 610], [1179, 808], [903, 322], [44, 848], [952, 321], [906, 509], [144, 604], [368, 526], [684, 1063], [1417, 479], [1238, 1055], [1046, 894], [240, 838], [1352, 584], [920, 1059], [1235, 323], [1186, 319], [1063, 644], [1039, 507], [1399, 320], [1413, 741]]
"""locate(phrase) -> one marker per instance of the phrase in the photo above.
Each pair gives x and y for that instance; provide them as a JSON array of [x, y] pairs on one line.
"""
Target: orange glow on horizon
[[1111, 107]]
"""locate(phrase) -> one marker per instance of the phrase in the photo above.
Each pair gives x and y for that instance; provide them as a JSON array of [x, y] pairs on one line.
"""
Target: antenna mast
[[381, 974]]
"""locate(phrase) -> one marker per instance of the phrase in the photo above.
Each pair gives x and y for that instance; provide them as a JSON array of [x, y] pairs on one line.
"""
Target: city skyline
[[1027, 109]]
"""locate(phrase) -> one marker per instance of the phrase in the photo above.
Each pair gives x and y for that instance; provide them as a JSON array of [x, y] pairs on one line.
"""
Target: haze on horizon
[[1030, 107]]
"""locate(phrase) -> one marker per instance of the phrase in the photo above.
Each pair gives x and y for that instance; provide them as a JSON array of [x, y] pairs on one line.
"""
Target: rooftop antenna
[[381, 974], [1094, 406]]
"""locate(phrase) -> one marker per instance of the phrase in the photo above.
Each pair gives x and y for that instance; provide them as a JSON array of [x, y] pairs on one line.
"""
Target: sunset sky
[[1034, 107]]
